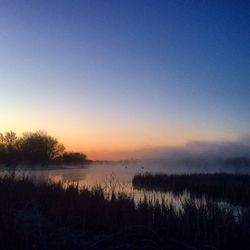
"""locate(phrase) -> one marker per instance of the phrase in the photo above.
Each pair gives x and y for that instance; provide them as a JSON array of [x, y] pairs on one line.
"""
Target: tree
[[9, 148], [2, 149], [74, 158], [38, 147], [35, 148]]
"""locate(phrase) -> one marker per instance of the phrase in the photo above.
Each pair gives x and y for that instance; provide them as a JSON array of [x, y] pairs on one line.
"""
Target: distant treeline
[[35, 148], [241, 161]]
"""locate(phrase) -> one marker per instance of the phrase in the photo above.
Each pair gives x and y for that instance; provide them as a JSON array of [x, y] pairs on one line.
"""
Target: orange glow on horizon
[[112, 143]]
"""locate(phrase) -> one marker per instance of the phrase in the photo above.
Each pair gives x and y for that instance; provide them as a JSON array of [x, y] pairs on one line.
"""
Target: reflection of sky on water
[[111, 177]]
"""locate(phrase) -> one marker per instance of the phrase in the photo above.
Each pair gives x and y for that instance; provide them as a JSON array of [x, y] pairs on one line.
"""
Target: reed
[[56, 216], [232, 188]]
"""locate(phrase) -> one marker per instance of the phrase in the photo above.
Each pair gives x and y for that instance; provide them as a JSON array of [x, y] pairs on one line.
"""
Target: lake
[[115, 177]]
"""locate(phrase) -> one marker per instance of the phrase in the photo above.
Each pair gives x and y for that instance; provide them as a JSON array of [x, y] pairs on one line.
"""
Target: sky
[[109, 77]]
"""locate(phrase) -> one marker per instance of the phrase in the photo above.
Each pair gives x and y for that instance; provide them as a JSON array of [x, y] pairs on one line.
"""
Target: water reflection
[[112, 178]]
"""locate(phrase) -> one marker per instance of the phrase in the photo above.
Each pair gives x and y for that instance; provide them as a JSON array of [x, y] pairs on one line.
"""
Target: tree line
[[35, 148]]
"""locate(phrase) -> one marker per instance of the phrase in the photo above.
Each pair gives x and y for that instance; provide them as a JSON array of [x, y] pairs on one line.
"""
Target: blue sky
[[107, 75]]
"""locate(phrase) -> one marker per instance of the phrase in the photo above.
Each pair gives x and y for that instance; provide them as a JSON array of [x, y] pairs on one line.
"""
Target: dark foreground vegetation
[[50, 216], [232, 188], [36, 148]]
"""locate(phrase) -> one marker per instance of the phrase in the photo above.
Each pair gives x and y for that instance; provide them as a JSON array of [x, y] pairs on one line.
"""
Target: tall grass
[[233, 188], [53, 216]]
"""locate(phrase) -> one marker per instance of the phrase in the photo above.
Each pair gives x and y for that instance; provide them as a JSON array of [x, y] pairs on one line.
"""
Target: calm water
[[113, 177]]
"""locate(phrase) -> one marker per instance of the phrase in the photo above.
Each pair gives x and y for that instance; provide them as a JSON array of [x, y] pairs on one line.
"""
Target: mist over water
[[96, 173], [194, 157], [206, 149], [117, 177]]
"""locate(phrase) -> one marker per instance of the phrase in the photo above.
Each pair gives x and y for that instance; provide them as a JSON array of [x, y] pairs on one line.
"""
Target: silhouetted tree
[[35, 148], [9, 148], [74, 158], [39, 147], [2, 149]]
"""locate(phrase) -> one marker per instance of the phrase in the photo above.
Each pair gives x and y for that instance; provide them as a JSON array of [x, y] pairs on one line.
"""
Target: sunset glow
[[113, 77]]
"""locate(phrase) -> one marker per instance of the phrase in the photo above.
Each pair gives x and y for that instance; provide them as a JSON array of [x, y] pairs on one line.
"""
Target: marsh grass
[[231, 188], [55, 216]]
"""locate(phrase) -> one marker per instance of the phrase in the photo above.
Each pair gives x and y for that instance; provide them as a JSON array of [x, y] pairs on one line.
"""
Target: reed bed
[[54, 216], [231, 188]]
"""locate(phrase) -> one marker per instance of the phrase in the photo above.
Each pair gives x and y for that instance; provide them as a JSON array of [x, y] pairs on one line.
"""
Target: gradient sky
[[106, 77]]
